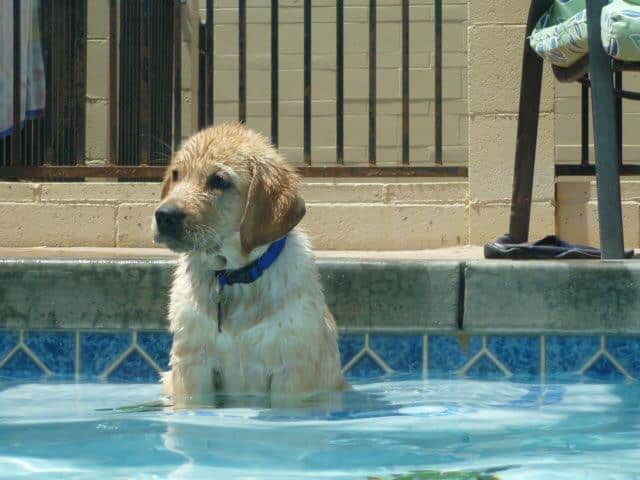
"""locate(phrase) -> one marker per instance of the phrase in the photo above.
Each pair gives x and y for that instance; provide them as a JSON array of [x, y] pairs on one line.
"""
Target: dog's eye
[[217, 182], [174, 175]]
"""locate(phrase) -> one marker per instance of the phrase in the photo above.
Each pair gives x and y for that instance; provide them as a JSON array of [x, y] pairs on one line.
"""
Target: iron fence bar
[[438, 81], [584, 129], [67, 93], [629, 95], [340, 82], [202, 75], [60, 90], [618, 106], [242, 60], [157, 172], [209, 72], [405, 82], [79, 81], [46, 129], [17, 90], [145, 104], [113, 81], [372, 82], [275, 67], [62, 94], [620, 66], [177, 74], [573, 170], [307, 82]]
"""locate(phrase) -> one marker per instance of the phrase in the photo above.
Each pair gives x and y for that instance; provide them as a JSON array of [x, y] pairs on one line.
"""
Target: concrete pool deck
[[436, 291]]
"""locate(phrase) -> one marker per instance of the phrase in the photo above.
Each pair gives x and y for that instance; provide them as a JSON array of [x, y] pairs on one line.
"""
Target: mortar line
[[356, 358], [9, 355], [34, 358], [498, 363], [77, 366], [618, 365], [465, 368], [148, 359], [543, 358], [378, 359], [117, 362], [596, 356], [425, 356]]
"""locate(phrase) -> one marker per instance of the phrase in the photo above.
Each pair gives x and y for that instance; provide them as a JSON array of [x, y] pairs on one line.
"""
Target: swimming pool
[[522, 370], [391, 425]]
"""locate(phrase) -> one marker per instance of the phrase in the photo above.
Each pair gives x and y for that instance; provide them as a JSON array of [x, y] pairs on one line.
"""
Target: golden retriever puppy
[[247, 311]]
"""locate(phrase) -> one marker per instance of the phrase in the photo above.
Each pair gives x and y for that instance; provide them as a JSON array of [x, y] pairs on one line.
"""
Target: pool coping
[[394, 292]]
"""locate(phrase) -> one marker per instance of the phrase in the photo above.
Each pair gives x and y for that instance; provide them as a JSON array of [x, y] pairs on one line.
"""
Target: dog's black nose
[[170, 220]]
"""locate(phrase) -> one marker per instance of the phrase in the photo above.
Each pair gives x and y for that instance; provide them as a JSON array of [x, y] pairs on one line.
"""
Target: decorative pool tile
[[604, 369], [626, 350], [8, 340], [98, 351], [485, 369], [20, 365], [134, 368], [157, 345], [139, 356], [569, 354], [57, 350], [402, 353], [519, 354], [448, 354], [350, 345], [366, 367]]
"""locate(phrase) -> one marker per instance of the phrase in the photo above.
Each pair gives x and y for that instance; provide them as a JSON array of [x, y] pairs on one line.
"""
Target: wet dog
[[247, 311]]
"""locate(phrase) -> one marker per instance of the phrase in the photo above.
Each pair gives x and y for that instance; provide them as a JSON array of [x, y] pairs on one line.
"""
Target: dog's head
[[227, 181]]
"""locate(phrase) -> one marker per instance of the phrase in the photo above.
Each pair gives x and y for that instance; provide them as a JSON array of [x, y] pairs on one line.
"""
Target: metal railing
[[144, 122], [585, 167]]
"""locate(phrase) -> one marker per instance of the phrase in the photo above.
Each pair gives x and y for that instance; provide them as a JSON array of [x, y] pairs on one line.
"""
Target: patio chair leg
[[606, 145], [530, 89]]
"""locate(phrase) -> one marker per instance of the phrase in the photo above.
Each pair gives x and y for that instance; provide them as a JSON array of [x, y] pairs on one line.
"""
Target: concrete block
[[492, 144], [497, 90], [494, 12], [57, 225], [111, 192], [562, 296], [393, 295], [133, 224], [487, 222], [61, 294], [385, 227], [436, 192], [19, 191]]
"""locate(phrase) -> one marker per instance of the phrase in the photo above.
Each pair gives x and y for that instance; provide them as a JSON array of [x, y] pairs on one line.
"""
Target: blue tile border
[[139, 356]]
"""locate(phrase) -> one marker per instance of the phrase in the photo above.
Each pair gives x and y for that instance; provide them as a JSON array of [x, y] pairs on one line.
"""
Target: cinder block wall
[[356, 31], [482, 55]]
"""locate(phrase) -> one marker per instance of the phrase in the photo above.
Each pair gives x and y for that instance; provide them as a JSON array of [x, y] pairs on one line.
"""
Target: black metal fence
[[586, 167], [144, 122]]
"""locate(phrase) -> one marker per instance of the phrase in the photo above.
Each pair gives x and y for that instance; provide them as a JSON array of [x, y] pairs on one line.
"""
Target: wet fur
[[278, 337]]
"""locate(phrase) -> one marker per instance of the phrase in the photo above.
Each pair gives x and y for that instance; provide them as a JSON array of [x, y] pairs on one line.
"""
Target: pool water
[[387, 426]]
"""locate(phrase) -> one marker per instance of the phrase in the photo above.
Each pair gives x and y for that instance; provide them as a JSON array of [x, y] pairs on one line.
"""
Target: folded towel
[[32, 78], [550, 247]]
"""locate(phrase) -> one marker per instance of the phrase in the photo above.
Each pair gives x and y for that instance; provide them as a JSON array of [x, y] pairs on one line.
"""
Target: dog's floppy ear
[[273, 205], [166, 184]]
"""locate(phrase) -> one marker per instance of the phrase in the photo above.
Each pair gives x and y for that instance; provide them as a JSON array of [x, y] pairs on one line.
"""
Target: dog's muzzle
[[170, 221]]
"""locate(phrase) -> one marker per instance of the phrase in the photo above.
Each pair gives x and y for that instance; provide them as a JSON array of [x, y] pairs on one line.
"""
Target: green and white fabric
[[560, 36], [621, 29]]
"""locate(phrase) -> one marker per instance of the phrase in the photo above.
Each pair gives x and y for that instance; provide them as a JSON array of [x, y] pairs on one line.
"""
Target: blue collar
[[247, 274]]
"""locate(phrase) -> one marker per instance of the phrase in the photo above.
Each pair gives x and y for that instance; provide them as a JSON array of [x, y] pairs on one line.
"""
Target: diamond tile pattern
[[139, 356]]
